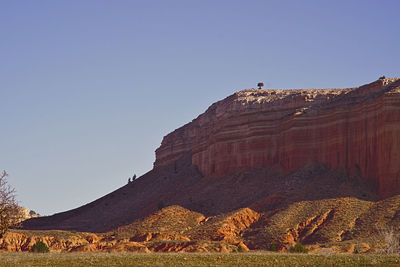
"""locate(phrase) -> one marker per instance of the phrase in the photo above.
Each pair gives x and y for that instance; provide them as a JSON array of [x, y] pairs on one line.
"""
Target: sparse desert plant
[[391, 238], [160, 205], [273, 247], [298, 248], [240, 249], [260, 85], [33, 213], [10, 212], [40, 247]]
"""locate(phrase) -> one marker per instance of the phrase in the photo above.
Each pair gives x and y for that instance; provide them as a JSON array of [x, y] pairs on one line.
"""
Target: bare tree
[[390, 238], [10, 212]]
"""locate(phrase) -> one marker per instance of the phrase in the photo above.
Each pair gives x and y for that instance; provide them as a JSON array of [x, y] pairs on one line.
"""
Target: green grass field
[[194, 259]]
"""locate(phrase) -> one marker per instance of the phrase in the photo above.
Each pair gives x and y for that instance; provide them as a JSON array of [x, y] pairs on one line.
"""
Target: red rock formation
[[356, 129]]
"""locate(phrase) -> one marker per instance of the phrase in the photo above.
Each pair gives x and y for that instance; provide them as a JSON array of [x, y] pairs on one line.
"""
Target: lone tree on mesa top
[[260, 85], [10, 212]]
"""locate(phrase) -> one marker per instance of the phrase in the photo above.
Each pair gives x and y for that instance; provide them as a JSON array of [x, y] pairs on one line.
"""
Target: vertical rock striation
[[356, 129]]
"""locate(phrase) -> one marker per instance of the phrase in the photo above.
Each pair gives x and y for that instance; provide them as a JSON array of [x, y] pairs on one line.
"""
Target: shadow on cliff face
[[262, 189], [266, 189]]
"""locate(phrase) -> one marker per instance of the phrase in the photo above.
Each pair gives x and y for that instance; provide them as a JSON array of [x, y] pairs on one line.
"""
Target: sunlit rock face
[[355, 129]]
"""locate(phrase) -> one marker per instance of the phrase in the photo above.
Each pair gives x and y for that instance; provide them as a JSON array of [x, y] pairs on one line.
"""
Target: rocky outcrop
[[354, 129], [227, 227], [55, 240], [26, 213]]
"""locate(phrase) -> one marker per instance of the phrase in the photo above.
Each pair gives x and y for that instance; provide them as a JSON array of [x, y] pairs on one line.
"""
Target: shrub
[[40, 247], [298, 248], [391, 239], [160, 205], [273, 247], [10, 212], [240, 249]]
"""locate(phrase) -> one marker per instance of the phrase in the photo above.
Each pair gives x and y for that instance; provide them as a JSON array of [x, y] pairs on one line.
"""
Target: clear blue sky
[[89, 88]]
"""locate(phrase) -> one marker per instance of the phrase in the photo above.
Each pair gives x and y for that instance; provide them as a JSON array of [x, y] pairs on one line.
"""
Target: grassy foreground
[[193, 259]]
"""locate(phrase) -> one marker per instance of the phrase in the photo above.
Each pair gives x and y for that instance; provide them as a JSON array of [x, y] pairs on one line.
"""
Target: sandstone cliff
[[355, 129], [259, 168]]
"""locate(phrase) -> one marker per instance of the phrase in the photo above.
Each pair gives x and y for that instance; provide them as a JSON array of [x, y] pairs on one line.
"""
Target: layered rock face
[[355, 129]]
